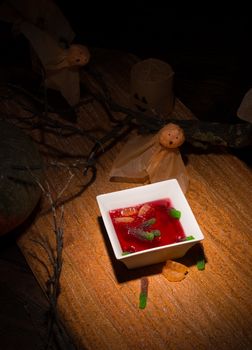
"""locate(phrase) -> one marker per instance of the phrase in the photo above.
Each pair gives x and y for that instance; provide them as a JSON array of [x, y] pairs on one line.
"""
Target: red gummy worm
[[144, 285]]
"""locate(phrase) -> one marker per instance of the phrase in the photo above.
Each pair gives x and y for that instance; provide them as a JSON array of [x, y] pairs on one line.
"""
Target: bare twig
[[65, 187], [197, 132], [54, 254], [47, 249]]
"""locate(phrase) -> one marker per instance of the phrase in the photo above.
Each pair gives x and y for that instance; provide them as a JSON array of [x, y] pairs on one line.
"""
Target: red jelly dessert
[[147, 225]]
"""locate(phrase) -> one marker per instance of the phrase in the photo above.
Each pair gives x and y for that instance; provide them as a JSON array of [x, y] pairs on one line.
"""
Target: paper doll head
[[171, 136]]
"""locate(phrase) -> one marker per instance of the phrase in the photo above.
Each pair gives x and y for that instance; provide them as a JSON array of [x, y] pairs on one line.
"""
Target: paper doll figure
[[152, 158], [61, 65], [151, 86], [51, 37]]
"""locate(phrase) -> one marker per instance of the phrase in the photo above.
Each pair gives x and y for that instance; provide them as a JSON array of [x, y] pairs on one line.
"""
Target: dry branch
[[196, 131], [56, 330]]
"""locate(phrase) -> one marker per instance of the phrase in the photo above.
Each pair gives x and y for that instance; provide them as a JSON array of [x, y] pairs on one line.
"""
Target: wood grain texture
[[98, 304]]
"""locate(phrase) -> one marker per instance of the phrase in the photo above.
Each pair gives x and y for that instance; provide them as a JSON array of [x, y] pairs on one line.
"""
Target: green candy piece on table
[[142, 300], [174, 213], [201, 264], [143, 292]]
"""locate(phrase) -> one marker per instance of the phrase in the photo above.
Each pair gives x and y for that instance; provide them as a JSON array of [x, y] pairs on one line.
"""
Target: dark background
[[207, 46]]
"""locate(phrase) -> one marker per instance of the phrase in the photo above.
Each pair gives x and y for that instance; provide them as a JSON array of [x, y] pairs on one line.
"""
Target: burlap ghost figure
[[51, 39], [148, 158]]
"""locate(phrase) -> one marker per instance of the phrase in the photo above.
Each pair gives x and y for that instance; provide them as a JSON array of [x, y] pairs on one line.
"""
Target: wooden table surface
[[98, 304]]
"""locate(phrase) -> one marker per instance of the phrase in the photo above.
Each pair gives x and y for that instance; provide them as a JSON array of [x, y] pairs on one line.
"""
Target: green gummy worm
[[201, 264], [174, 213], [142, 300]]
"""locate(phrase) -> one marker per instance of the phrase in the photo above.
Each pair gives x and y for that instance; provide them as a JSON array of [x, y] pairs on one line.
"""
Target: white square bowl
[[147, 193]]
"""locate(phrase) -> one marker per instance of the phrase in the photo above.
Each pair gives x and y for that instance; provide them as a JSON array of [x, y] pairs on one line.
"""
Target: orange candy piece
[[124, 219], [129, 211], [174, 271], [144, 209]]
